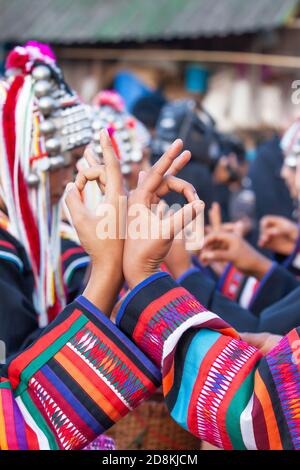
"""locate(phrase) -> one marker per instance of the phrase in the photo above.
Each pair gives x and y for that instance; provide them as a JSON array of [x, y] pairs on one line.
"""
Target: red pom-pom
[[17, 59]]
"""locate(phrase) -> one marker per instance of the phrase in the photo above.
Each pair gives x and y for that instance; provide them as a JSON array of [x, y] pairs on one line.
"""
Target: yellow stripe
[[93, 391]]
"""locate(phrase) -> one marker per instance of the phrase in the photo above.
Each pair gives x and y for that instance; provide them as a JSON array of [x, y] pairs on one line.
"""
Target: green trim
[[39, 420], [44, 357], [6, 385], [235, 409]]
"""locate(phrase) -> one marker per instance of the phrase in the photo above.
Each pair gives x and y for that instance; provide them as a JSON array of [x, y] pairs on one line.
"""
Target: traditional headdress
[[124, 129], [42, 119]]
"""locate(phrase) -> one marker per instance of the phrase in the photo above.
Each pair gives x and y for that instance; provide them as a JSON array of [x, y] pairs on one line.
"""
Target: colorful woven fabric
[[215, 385], [237, 286], [74, 265], [75, 382]]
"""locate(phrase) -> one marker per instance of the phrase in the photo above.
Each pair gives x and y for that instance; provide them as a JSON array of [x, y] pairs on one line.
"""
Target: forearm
[[258, 267], [79, 378], [103, 288], [210, 376]]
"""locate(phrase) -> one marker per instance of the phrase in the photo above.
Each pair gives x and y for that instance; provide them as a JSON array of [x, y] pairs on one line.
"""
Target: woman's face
[[61, 177]]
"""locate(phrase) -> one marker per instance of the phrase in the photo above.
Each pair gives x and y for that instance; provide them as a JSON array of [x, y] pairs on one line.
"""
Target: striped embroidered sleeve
[[215, 385], [73, 383], [74, 265]]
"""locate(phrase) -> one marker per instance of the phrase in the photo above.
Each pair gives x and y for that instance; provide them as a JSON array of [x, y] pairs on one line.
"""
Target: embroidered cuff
[[154, 310], [80, 377]]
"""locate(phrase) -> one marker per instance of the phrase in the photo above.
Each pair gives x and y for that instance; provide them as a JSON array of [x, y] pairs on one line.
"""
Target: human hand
[[104, 249], [229, 247], [178, 259], [143, 253], [278, 234], [262, 341], [240, 227]]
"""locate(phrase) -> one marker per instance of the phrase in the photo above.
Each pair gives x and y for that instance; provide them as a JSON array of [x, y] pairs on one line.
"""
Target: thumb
[[184, 216], [74, 203]]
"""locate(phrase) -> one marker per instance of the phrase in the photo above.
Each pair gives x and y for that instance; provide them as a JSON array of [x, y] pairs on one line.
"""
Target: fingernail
[[104, 134], [198, 205], [176, 142]]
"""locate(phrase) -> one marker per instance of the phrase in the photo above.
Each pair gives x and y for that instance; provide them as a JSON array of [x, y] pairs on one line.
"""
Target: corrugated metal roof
[[89, 21]]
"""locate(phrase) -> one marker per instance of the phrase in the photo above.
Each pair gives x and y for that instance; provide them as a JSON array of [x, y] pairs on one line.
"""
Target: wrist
[[178, 270], [260, 267], [103, 287], [136, 276]]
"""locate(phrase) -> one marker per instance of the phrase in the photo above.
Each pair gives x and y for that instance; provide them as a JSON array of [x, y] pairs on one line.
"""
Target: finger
[[268, 221], [94, 173], [179, 163], [216, 255], [216, 238], [161, 209], [114, 180], [74, 203], [90, 156], [184, 216], [141, 177], [215, 217], [172, 183], [273, 232], [156, 173]]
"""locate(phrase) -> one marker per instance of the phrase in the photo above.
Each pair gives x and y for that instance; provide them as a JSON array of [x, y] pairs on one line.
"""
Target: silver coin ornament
[[33, 180], [52, 146], [57, 162], [42, 88], [47, 127], [126, 169], [97, 125], [46, 105], [41, 72]]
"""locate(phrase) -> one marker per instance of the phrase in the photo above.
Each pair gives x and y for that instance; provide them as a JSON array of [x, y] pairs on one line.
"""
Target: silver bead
[[42, 88], [97, 125], [96, 137], [56, 162], [47, 127], [41, 72], [127, 146], [46, 105], [126, 169], [33, 180], [136, 156], [52, 146]]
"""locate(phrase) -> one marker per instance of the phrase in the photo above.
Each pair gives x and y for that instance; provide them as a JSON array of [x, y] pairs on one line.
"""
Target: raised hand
[[150, 233], [229, 247], [278, 234], [105, 247]]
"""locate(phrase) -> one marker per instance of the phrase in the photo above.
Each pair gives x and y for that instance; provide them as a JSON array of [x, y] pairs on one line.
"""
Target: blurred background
[[240, 56], [235, 63]]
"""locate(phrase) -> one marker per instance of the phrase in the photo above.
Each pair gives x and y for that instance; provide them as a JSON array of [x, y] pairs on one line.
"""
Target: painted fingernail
[[104, 134]]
